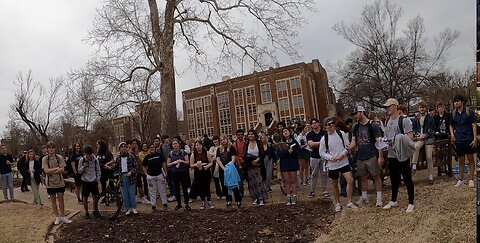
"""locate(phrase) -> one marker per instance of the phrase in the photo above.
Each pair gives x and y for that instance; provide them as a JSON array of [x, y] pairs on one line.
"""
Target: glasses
[[329, 124]]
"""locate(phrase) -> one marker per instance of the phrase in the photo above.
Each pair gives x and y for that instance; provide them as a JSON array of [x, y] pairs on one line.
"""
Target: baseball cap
[[327, 120], [122, 143], [390, 102], [358, 109]]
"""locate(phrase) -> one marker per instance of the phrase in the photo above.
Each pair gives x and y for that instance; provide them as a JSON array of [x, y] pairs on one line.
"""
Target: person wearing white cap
[[369, 159], [397, 169]]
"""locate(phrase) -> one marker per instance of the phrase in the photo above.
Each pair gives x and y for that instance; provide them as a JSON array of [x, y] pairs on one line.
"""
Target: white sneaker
[[65, 220], [255, 202], [390, 205], [145, 201], [134, 211], [57, 221], [459, 183], [338, 207], [378, 203], [289, 200], [352, 206], [362, 201], [261, 203], [171, 199], [410, 208], [129, 211], [471, 183]]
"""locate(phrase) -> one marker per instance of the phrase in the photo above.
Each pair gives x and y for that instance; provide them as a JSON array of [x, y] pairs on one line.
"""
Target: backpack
[[95, 164], [326, 140], [370, 131], [400, 124]]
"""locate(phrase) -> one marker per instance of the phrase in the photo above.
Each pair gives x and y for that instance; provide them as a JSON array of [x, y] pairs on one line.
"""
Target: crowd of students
[[332, 149]]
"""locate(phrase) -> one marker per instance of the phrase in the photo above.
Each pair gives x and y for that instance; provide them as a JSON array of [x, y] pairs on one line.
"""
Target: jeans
[[318, 169], [128, 192], [7, 181], [157, 184], [397, 169]]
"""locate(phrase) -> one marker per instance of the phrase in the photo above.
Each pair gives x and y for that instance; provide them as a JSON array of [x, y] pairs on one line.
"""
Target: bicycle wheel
[[109, 204]]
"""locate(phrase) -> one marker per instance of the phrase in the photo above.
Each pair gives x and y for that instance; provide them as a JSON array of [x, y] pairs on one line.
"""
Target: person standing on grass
[[304, 157], [287, 153], [253, 157], [225, 154], [53, 165], [333, 149], [202, 173], [369, 159], [90, 173], [399, 161], [212, 153], [179, 165], [34, 168], [6, 161], [156, 168], [317, 164], [269, 159], [463, 131], [126, 165], [74, 160]]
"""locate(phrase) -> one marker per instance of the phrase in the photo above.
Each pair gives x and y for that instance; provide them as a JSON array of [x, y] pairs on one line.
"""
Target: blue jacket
[[232, 178], [428, 128]]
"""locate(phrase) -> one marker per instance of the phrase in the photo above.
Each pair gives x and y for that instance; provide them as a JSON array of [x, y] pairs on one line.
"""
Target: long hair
[[229, 144], [102, 147], [195, 152]]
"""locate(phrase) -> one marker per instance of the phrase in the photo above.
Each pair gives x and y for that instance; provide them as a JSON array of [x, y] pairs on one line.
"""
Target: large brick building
[[295, 92]]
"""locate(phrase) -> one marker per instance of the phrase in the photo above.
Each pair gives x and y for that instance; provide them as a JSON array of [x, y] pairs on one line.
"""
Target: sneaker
[[219, 197], [65, 220], [202, 206], [129, 211], [171, 199], [229, 204], [362, 201], [289, 200], [255, 202], [239, 204], [378, 203], [459, 183], [87, 216], [188, 208], [390, 205], [134, 211], [179, 206], [311, 195], [57, 221], [262, 203], [410, 208], [210, 205], [352, 206], [471, 183], [326, 194], [338, 207], [97, 215], [294, 200], [145, 201]]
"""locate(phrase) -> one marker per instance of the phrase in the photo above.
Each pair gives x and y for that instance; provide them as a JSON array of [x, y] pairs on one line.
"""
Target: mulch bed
[[303, 222]]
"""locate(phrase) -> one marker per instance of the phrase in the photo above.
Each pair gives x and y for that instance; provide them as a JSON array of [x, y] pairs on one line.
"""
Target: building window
[[189, 105], [207, 103], [295, 86], [240, 114], [265, 93], [250, 94], [224, 113], [284, 108], [282, 89], [238, 96]]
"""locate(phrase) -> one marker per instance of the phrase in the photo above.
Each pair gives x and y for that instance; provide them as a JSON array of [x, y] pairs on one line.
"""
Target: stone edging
[[53, 228]]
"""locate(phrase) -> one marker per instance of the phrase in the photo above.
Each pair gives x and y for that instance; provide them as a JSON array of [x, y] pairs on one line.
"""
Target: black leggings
[[203, 178], [181, 178], [397, 169], [236, 191]]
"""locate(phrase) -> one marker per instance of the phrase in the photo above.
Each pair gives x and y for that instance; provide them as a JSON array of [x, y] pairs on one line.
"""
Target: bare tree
[[142, 36], [389, 62], [37, 105]]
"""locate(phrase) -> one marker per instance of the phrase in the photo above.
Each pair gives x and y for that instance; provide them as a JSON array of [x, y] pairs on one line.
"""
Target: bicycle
[[110, 201]]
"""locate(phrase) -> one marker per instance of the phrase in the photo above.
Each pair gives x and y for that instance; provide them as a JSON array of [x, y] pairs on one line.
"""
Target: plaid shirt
[[131, 166]]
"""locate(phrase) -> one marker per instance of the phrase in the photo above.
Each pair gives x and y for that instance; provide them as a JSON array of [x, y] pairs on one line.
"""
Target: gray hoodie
[[403, 147], [91, 172]]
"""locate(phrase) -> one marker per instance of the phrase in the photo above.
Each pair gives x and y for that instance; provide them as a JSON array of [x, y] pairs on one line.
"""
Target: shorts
[[335, 174], [140, 180], [78, 180], [366, 167], [463, 149], [89, 187], [53, 191]]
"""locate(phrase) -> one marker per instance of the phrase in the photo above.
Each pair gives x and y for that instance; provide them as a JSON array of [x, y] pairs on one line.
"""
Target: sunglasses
[[329, 124]]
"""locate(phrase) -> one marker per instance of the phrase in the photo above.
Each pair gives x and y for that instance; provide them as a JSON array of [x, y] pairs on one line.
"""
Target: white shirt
[[124, 164], [336, 148], [30, 167]]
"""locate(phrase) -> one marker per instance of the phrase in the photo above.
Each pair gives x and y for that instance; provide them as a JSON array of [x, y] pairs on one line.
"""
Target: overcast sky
[[46, 37]]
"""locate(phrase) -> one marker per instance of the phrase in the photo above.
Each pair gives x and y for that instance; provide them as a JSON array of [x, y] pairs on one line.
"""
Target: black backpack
[[326, 139], [370, 131]]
